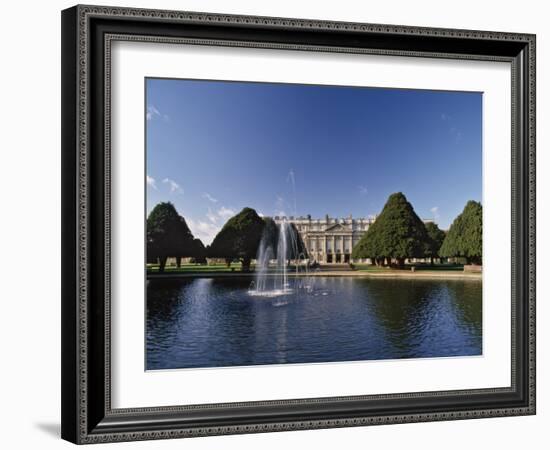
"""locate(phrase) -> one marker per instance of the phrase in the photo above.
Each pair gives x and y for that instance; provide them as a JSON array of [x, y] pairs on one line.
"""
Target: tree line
[[168, 236], [398, 234]]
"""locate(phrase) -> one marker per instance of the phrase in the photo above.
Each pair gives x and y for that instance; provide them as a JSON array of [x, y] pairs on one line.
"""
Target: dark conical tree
[[167, 235], [436, 236], [270, 235], [369, 246], [396, 233], [199, 252], [296, 248], [465, 237], [239, 238]]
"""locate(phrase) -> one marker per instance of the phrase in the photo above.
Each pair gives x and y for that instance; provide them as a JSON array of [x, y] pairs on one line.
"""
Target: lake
[[216, 322]]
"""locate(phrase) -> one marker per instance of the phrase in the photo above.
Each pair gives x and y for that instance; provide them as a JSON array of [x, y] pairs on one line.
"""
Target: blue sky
[[215, 147]]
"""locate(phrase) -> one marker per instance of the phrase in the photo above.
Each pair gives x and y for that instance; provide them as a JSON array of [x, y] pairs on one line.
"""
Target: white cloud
[[205, 231], [261, 214], [152, 182], [211, 216], [175, 188], [363, 190], [207, 227], [225, 213], [435, 212], [220, 216], [153, 112], [207, 196]]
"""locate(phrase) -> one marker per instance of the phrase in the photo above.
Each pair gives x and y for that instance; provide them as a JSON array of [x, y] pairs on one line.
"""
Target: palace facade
[[329, 240]]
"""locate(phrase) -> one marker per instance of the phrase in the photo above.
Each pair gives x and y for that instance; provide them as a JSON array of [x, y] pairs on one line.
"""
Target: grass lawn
[[369, 268], [417, 267], [197, 268], [206, 268], [445, 267], [236, 267]]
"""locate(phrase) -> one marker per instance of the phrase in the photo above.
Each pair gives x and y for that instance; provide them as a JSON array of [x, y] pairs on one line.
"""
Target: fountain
[[273, 281], [281, 243]]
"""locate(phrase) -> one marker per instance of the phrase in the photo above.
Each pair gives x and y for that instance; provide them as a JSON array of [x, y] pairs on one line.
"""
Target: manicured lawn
[[236, 267], [197, 268], [445, 267], [206, 268], [369, 268], [417, 267]]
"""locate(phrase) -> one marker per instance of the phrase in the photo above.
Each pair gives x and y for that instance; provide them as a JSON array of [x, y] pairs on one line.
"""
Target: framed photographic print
[[279, 224]]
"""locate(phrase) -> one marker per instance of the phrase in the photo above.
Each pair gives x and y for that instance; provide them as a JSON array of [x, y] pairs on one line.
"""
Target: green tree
[[239, 238], [167, 235], [465, 237], [396, 233], [296, 248], [270, 235], [199, 252], [436, 236]]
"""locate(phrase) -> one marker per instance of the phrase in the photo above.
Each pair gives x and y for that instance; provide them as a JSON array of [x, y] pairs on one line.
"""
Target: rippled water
[[215, 322]]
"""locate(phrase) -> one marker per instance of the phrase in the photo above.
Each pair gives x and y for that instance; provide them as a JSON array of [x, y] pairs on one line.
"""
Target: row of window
[[306, 228]]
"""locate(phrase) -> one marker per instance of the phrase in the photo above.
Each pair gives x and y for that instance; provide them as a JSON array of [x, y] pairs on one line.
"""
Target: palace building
[[330, 240]]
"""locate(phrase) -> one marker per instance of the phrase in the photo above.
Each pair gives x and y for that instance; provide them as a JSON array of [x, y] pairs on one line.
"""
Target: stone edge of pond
[[354, 274]]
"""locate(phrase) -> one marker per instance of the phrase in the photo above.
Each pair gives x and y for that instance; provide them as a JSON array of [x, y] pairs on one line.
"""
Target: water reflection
[[426, 318], [214, 322]]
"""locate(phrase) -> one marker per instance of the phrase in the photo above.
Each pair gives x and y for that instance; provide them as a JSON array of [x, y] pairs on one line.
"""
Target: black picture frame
[[87, 415]]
